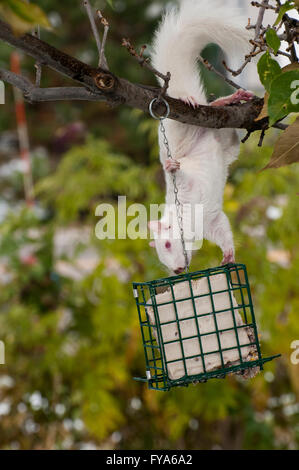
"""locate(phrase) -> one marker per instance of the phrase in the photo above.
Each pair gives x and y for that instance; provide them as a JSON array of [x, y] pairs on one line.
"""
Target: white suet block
[[206, 324]]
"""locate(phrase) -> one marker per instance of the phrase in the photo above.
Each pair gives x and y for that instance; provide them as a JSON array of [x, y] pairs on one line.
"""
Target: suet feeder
[[198, 326]]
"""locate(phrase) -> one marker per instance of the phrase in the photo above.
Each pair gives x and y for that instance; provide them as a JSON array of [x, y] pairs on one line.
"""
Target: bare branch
[[38, 65], [285, 54], [280, 126], [235, 73], [259, 44], [256, 45], [212, 69], [263, 5], [248, 134], [262, 136], [260, 18], [102, 85], [102, 59], [16, 80], [35, 94], [144, 62], [89, 10], [291, 37]]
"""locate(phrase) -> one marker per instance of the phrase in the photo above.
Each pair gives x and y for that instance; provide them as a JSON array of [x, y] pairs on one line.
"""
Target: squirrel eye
[[168, 245]]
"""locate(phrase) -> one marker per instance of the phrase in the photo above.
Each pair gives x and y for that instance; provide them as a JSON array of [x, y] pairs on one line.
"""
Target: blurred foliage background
[[68, 318]]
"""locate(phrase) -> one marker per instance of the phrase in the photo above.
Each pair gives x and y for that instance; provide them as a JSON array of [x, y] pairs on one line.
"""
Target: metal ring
[[161, 118]]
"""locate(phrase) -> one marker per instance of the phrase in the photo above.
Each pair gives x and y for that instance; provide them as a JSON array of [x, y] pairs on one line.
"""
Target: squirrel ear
[[154, 225], [152, 244]]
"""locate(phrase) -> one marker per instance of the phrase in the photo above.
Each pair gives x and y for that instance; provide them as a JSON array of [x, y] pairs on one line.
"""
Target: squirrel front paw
[[171, 165]]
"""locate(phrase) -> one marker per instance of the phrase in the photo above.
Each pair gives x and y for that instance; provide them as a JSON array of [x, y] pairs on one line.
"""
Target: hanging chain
[[178, 204]]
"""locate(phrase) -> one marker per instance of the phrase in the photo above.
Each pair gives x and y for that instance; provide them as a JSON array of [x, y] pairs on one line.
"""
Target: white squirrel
[[202, 156]]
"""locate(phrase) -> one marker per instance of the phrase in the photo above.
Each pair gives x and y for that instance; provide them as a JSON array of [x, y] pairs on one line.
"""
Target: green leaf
[[283, 9], [264, 113], [284, 96], [286, 150], [273, 40], [268, 69], [23, 16]]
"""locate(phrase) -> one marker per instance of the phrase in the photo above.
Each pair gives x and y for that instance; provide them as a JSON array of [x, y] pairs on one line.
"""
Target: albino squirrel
[[202, 155]]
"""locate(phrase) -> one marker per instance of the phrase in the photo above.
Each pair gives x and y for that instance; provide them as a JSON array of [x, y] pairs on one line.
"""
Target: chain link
[[178, 205]]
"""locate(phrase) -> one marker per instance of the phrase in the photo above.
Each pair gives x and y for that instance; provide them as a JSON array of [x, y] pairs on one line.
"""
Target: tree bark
[[100, 85]]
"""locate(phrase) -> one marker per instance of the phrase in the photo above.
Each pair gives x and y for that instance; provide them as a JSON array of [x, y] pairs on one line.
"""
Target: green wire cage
[[198, 326]]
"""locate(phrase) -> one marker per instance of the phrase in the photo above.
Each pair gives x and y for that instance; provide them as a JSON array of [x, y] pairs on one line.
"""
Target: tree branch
[[260, 18], [34, 93], [38, 65], [144, 62], [102, 59], [256, 45], [102, 85], [291, 37]]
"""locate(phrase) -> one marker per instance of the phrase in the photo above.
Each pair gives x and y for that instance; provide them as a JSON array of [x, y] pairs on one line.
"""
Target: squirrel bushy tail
[[185, 31]]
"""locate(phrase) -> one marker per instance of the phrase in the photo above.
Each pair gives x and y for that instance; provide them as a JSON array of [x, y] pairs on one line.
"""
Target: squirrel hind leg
[[237, 97], [190, 101]]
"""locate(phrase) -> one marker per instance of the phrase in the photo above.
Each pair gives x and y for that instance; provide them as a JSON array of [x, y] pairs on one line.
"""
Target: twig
[[144, 62], [263, 5], [285, 54], [280, 126], [212, 69], [250, 26], [256, 45], [252, 54], [292, 43], [263, 133], [260, 18], [102, 60], [36, 94], [38, 65], [22, 133], [290, 38], [246, 137], [165, 86], [94, 28], [277, 125]]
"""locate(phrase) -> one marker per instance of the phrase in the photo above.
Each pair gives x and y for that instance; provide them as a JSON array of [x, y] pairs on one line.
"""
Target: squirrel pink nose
[[179, 270]]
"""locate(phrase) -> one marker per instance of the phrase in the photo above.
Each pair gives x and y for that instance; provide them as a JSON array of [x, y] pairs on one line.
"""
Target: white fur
[[204, 154]]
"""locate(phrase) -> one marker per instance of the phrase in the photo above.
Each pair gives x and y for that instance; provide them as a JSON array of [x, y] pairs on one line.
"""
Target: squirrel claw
[[228, 257], [242, 95], [190, 101], [172, 165], [237, 97]]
